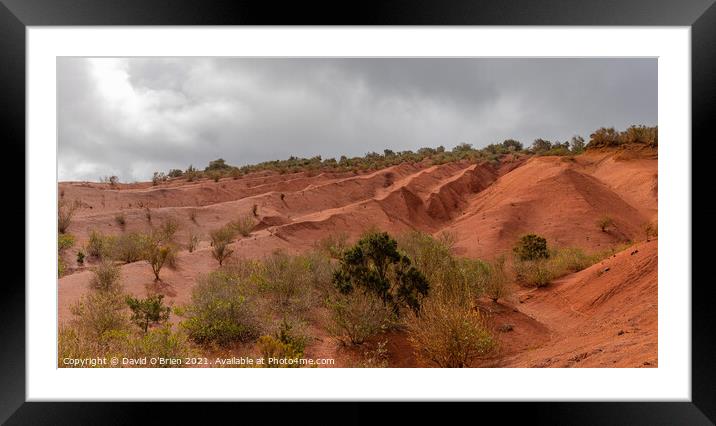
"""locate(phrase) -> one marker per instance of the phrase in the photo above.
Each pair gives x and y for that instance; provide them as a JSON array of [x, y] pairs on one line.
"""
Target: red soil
[[585, 319]]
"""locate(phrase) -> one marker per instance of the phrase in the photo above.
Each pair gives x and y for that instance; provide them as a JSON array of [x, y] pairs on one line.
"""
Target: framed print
[[407, 203]]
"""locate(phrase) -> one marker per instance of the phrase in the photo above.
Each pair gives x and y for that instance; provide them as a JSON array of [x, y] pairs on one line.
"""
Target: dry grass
[[450, 335], [563, 261], [106, 277], [220, 240], [121, 220], [65, 212], [193, 242], [243, 225]]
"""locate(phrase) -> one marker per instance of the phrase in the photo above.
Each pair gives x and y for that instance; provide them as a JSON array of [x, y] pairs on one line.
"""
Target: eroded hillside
[[605, 315]]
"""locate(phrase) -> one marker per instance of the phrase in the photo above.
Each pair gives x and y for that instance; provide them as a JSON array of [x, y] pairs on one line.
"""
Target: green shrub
[[375, 265], [191, 174], [286, 344], [220, 240], [287, 280], [100, 246], [531, 247], [175, 173], [100, 328], [293, 333], [449, 277], [603, 138], [77, 343], [65, 241], [157, 252], [167, 230], [429, 255], [80, 257], [577, 145], [74, 342], [533, 273], [158, 178], [333, 245], [221, 311], [60, 266], [449, 335], [321, 270], [100, 314], [496, 283], [149, 311], [106, 277], [641, 134], [127, 247], [358, 316], [609, 137], [243, 225], [567, 260], [540, 146], [277, 354], [541, 272], [160, 342], [218, 165]]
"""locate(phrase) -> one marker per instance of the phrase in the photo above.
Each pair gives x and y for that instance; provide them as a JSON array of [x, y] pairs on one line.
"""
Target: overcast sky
[[131, 117]]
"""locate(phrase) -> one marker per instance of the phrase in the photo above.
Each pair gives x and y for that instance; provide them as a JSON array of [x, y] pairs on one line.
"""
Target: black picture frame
[[16, 15]]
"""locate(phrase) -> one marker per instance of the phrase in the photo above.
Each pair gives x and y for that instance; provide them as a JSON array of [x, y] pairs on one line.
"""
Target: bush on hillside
[[375, 265], [148, 311], [287, 279], [157, 252], [243, 225], [65, 212], [65, 241], [357, 316], [496, 285], [333, 245], [604, 137], [577, 144], [100, 246], [531, 247], [220, 240], [542, 271], [221, 311], [288, 343], [100, 314], [450, 335], [127, 247], [106, 277]]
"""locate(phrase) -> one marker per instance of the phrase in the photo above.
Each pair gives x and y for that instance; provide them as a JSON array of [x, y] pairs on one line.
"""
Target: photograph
[[357, 212]]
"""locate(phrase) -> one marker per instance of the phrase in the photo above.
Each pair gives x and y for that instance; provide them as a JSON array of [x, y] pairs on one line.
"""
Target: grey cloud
[[130, 117]]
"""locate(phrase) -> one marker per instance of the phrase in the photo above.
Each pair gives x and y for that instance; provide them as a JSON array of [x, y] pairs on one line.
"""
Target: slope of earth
[[486, 206], [562, 199], [603, 316], [292, 216]]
